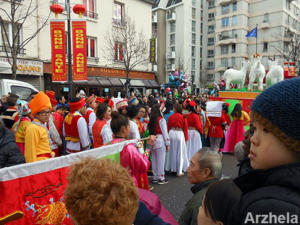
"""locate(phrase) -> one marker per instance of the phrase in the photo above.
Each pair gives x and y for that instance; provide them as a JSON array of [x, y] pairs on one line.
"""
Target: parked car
[[20, 88]]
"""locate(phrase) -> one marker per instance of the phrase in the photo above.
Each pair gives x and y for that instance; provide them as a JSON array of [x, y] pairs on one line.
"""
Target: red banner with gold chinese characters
[[79, 50], [58, 45]]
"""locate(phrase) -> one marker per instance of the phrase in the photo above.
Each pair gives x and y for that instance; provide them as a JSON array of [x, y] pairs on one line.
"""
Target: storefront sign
[[152, 50], [79, 51], [25, 67], [58, 44]]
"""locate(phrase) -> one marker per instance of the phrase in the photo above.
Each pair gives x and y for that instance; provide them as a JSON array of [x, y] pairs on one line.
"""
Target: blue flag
[[252, 33]]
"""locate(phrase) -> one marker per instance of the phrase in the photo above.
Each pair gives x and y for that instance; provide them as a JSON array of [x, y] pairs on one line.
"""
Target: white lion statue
[[232, 76], [275, 73], [257, 73]]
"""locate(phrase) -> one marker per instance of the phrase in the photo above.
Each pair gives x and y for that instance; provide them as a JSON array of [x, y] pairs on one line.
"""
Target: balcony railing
[[171, 16], [91, 14], [171, 67], [171, 55], [119, 22]]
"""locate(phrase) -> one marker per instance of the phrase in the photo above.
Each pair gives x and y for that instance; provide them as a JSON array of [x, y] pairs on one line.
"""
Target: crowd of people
[[175, 135]]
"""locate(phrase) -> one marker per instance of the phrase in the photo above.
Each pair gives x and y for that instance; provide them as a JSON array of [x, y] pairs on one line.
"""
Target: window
[[22, 92], [286, 46], [224, 49], [91, 47], [211, 29], [118, 17], [211, 4], [200, 53], [172, 39], [233, 62], [234, 6], [211, 16], [210, 65], [193, 64], [90, 8], [201, 40], [172, 49], [193, 38], [118, 52], [265, 47], [7, 34], [172, 27], [210, 77], [224, 62], [201, 27], [211, 41], [234, 21], [193, 51], [225, 9], [266, 17], [288, 4], [210, 53], [225, 22], [234, 34], [193, 2], [233, 48], [193, 26], [193, 13]]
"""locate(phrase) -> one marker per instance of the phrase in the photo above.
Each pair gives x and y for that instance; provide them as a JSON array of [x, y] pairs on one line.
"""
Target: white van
[[20, 88]]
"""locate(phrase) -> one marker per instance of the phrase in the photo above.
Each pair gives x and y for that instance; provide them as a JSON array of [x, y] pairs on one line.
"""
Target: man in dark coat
[[10, 153], [205, 168]]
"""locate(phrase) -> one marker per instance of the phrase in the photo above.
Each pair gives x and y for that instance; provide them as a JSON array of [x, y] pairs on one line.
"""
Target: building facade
[[105, 68], [275, 19]]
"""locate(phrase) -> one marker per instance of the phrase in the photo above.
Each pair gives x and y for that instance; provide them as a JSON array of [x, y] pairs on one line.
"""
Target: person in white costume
[[158, 126]]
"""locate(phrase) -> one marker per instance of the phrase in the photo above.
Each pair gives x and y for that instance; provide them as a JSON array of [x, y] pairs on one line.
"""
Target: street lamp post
[[70, 72]]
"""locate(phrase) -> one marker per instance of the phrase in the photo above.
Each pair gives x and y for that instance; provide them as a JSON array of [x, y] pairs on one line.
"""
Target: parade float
[[247, 88], [178, 81]]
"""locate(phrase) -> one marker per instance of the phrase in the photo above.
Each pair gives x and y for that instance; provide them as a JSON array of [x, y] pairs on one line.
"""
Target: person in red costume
[[90, 116], [215, 133], [102, 133], [136, 163], [177, 160], [195, 129]]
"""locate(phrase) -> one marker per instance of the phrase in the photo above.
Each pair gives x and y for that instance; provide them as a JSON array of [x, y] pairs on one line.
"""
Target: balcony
[[118, 22], [154, 68], [225, 40], [91, 14], [171, 55], [225, 2], [171, 16], [171, 67], [265, 25], [154, 17]]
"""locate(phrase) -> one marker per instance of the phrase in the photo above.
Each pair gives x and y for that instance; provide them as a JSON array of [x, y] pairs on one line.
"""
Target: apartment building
[[275, 19], [180, 36], [105, 69]]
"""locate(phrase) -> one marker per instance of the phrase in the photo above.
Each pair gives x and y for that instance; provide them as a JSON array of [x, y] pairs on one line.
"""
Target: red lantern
[[56, 8], [79, 9]]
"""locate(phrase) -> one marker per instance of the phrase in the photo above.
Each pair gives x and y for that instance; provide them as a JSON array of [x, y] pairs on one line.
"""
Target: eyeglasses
[[44, 113]]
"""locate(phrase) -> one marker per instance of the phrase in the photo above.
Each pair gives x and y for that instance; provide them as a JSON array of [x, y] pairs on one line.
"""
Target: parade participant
[[136, 163], [11, 114], [205, 168], [138, 119], [37, 138], [102, 133], [217, 203], [10, 154], [195, 130], [271, 191], [158, 127], [51, 95], [21, 126], [169, 110], [90, 116], [58, 119], [236, 130], [76, 130], [215, 133], [122, 107], [177, 160], [132, 112]]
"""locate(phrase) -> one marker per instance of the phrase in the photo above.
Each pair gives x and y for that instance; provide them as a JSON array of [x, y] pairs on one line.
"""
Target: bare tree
[[19, 13], [290, 49], [127, 46]]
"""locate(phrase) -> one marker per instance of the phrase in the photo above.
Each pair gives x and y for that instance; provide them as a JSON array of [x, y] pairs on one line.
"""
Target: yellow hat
[[40, 102]]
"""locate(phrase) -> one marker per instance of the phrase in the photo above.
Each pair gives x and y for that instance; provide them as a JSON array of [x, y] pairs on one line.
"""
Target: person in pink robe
[[136, 163]]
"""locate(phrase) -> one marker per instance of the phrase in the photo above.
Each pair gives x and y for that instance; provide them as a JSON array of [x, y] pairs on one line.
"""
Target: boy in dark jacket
[[10, 153], [271, 193]]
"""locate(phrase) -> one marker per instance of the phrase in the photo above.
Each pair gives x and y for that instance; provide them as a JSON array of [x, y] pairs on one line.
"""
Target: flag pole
[[256, 37]]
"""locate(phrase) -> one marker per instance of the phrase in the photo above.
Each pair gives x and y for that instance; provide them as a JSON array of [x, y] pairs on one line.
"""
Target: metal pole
[[70, 72], [256, 37]]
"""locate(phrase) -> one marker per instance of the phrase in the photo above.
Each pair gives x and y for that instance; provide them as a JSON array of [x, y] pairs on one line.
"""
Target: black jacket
[[267, 195], [10, 153]]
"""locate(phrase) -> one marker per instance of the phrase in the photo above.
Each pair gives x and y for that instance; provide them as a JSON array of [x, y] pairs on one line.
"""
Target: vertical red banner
[[58, 48], [79, 50]]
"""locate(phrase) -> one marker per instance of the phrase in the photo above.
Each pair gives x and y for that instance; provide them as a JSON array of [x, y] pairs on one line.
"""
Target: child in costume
[[272, 189]]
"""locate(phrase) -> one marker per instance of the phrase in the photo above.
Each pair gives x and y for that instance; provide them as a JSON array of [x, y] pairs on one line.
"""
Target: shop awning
[[116, 82], [91, 81], [104, 81]]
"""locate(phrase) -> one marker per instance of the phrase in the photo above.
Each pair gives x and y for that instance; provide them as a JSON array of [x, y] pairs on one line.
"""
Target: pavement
[[176, 193]]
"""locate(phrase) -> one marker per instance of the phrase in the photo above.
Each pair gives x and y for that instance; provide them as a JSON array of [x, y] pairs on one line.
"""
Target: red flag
[[58, 47]]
